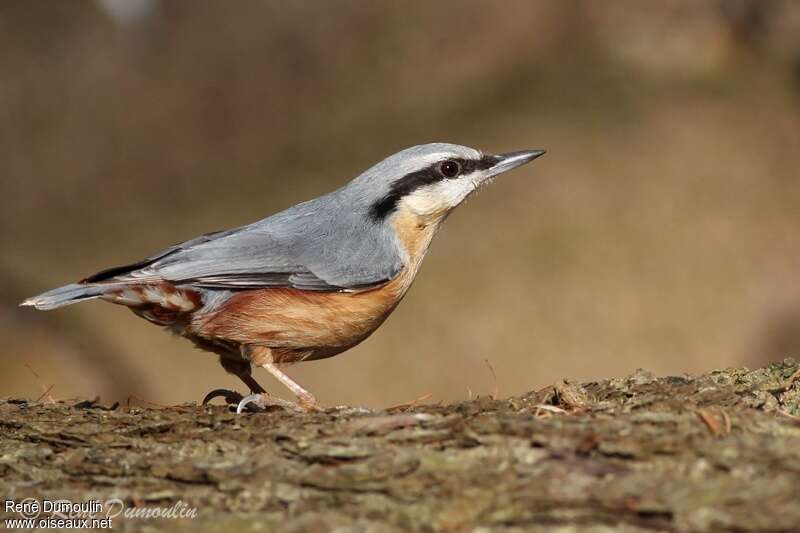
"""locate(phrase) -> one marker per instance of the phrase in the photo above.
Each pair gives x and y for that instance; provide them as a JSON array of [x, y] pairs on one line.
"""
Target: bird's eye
[[449, 169]]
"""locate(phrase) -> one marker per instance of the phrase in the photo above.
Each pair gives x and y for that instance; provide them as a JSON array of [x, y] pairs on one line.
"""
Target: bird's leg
[[262, 356], [240, 369], [258, 397], [304, 398], [250, 381]]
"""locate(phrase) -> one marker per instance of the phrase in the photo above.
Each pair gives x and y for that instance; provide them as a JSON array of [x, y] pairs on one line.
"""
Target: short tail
[[66, 295]]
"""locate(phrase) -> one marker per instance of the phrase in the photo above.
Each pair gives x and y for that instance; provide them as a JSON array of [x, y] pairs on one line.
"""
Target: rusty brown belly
[[299, 325]]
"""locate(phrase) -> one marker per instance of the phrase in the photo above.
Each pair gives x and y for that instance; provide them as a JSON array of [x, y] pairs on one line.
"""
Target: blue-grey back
[[328, 243], [322, 244]]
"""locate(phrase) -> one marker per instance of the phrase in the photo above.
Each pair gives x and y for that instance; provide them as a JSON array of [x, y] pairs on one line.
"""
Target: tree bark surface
[[720, 451]]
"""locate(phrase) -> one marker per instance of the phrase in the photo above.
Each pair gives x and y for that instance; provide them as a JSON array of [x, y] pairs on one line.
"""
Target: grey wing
[[118, 272], [299, 248]]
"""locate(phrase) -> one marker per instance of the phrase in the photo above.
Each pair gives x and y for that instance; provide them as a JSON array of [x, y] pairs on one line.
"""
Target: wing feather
[[310, 246]]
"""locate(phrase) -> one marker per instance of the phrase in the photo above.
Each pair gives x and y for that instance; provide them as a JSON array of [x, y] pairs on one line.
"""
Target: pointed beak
[[511, 160]]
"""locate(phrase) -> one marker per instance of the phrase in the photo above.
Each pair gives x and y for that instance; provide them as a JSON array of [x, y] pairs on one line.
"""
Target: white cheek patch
[[442, 196]]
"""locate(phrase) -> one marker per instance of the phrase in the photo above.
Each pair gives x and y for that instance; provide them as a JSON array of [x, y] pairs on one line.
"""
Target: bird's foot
[[254, 402], [307, 401], [231, 397], [263, 400]]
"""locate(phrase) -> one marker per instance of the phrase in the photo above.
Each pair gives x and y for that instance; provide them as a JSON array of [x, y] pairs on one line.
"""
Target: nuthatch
[[307, 283]]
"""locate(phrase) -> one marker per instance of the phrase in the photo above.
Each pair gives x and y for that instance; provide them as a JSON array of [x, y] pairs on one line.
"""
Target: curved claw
[[253, 398], [231, 397], [264, 400]]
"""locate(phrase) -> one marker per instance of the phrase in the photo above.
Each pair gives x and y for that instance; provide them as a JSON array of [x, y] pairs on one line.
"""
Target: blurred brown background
[[660, 231]]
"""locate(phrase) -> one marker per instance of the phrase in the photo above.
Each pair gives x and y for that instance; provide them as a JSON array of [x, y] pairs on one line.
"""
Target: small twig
[[46, 390], [786, 386], [711, 424], [46, 393], [494, 377], [727, 420], [412, 403]]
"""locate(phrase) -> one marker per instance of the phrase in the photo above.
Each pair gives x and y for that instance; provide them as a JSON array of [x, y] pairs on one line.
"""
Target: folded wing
[[304, 247]]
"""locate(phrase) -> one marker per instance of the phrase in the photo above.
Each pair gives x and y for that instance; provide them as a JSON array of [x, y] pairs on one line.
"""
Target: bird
[[305, 283]]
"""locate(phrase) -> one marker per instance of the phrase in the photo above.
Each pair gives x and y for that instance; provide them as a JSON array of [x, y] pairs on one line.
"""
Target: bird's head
[[430, 180]]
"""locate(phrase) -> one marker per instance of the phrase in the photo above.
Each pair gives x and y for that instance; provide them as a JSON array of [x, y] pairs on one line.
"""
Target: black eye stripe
[[431, 174], [471, 165]]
